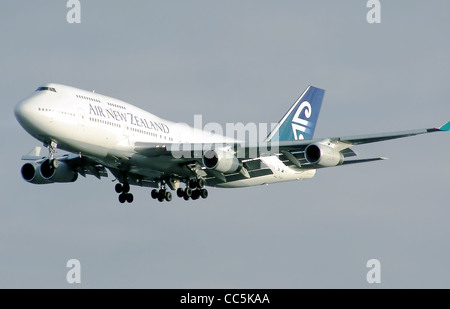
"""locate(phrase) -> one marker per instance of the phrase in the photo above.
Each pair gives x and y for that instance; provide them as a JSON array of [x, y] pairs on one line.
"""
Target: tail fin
[[300, 121]]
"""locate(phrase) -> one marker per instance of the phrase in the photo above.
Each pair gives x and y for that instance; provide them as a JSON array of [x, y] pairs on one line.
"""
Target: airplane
[[101, 134]]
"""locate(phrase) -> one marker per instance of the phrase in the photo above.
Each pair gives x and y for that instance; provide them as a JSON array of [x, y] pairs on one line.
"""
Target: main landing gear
[[162, 194], [194, 190], [124, 190]]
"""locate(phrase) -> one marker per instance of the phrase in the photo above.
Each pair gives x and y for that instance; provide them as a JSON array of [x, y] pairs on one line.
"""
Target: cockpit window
[[46, 89]]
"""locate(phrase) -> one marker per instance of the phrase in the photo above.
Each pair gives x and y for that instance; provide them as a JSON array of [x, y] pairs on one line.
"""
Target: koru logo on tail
[[300, 124]]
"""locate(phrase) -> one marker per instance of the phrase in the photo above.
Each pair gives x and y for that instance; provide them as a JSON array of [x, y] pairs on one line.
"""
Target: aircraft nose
[[24, 112]]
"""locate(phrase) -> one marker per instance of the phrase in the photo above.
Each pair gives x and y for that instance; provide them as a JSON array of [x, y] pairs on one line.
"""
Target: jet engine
[[49, 171], [323, 155], [31, 173], [221, 160]]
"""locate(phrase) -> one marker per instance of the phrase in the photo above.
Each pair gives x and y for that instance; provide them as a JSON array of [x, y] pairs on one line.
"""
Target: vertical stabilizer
[[300, 121]]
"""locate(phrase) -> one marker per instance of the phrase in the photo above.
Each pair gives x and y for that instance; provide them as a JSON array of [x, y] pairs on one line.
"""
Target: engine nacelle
[[57, 171], [49, 171], [323, 155], [221, 160], [32, 174]]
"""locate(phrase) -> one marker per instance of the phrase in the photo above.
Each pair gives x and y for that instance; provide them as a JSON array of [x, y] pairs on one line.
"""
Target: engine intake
[[323, 155], [221, 160]]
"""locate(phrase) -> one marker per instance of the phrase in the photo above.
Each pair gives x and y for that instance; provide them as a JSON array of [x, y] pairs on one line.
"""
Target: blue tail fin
[[300, 121]]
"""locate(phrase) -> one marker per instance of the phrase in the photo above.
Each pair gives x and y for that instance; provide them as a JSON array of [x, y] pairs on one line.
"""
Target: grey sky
[[237, 61]]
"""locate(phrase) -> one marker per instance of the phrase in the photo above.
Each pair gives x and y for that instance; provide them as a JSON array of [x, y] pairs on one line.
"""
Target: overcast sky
[[237, 61]]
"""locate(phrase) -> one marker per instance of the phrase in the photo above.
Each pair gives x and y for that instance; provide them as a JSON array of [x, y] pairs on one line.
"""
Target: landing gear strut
[[51, 149], [124, 190], [53, 162]]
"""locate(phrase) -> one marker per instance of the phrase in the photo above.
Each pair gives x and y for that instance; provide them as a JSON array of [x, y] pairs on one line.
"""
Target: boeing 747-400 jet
[[102, 134]]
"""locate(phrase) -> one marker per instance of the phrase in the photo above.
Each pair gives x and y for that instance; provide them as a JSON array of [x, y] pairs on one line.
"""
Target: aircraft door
[[81, 117]]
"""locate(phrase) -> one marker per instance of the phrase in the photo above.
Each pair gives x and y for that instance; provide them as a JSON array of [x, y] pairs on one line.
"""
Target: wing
[[291, 153], [343, 143], [85, 166], [294, 151]]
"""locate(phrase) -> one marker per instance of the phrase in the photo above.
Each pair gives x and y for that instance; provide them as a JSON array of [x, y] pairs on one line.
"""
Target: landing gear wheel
[[126, 187], [180, 192], [187, 194], [162, 194], [154, 194], [129, 197], [195, 195], [201, 183], [192, 184], [118, 188], [168, 196], [122, 198], [204, 193]]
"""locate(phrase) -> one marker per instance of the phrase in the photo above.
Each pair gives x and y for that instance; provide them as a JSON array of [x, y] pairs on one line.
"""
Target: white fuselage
[[105, 129]]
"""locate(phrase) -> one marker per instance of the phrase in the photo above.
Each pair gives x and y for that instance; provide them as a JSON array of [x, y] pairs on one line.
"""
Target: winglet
[[445, 127]]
